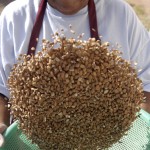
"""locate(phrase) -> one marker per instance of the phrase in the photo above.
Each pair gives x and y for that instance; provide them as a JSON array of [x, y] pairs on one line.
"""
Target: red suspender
[[93, 20], [39, 19], [37, 26]]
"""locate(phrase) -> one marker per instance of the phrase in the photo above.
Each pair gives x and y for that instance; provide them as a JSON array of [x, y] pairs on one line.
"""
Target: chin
[[68, 12]]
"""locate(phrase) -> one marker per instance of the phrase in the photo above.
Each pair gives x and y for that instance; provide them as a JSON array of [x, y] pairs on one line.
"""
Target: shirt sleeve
[[139, 43], [6, 53]]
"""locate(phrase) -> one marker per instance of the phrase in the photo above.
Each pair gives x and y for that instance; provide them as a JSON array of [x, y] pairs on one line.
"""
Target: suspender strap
[[93, 20], [39, 19], [37, 26]]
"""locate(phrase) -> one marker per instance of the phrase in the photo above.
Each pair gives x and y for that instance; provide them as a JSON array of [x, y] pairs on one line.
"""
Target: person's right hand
[[3, 127]]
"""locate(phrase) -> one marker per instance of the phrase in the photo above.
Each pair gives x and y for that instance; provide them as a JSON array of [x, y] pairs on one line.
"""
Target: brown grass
[[142, 9]]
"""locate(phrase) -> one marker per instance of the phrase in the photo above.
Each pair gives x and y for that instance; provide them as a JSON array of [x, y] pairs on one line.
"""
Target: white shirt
[[117, 23]]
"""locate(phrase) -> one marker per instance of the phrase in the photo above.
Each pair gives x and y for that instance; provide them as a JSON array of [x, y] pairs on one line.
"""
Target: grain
[[77, 96]]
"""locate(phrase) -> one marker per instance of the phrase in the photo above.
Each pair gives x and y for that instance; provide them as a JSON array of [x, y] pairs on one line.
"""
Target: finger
[[1, 140], [3, 127]]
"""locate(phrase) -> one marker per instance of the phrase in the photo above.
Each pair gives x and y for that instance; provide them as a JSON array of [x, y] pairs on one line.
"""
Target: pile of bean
[[78, 95]]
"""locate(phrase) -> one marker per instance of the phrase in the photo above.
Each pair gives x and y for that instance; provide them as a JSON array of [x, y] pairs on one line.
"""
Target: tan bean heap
[[78, 95]]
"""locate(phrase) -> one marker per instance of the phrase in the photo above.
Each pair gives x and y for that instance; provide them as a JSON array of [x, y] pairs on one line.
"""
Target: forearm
[[4, 111], [146, 104]]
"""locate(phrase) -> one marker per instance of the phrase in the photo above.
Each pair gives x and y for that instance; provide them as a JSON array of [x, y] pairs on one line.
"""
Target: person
[[114, 21]]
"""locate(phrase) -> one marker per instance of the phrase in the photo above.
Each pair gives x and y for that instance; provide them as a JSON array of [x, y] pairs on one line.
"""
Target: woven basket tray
[[138, 137]]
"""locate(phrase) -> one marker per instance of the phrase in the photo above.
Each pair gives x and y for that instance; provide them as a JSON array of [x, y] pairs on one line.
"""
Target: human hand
[[146, 105], [3, 127]]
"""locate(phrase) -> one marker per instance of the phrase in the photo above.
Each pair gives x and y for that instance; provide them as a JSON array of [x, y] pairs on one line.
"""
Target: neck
[[68, 7]]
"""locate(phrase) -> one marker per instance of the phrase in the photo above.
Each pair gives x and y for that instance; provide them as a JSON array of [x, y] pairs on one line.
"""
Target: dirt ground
[[142, 8], [144, 3]]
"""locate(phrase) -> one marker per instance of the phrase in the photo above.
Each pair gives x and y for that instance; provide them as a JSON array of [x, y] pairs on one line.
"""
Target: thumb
[[1, 140], [3, 127]]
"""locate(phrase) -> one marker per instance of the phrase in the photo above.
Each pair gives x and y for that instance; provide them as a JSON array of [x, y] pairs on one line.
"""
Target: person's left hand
[[146, 104], [3, 127]]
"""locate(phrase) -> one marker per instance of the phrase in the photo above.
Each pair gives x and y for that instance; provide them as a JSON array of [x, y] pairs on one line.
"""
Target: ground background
[[142, 8]]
